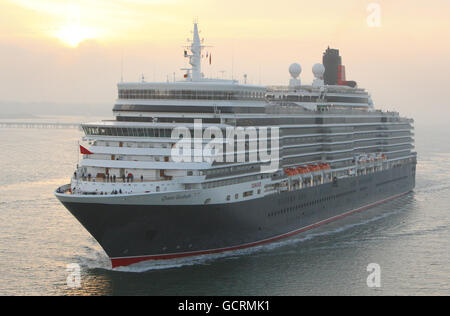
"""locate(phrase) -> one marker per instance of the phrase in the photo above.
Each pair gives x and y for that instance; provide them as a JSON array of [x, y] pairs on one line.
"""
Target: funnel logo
[[374, 18], [227, 144]]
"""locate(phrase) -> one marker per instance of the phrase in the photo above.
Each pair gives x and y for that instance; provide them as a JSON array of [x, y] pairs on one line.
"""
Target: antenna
[[121, 68], [232, 63], [232, 66], [259, 74]]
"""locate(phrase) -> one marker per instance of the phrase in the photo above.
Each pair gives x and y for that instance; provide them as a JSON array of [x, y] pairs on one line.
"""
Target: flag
[[84, 151]]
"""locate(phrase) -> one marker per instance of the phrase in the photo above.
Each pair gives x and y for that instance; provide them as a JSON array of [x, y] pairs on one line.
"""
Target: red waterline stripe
[[126, 261]]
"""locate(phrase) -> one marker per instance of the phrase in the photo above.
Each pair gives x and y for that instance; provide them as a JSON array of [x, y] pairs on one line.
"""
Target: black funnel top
[[331, 62], [334, 70]]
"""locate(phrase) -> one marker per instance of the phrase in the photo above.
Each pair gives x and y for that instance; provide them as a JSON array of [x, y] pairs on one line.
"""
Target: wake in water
[[269, 248], [94, 259]]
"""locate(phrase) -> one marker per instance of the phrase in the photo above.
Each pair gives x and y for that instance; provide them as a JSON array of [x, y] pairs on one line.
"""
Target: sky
[[67, 51]]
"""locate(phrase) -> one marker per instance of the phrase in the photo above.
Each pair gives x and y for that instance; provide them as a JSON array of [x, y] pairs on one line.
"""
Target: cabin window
[[248, 193]]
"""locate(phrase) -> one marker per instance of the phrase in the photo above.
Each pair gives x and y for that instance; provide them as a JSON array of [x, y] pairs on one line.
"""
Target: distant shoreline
[[17, 116], [32, 110]]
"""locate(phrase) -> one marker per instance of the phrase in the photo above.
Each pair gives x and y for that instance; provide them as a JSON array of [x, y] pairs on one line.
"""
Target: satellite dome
[[295, 70], [318, 70]]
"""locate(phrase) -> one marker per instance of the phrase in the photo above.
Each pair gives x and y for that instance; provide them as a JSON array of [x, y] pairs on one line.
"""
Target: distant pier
[[39, 125]]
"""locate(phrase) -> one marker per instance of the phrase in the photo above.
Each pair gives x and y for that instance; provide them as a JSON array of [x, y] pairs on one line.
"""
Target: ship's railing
[[118, 179], [287, 107], [112, 189], [310, 88], [65, 189]]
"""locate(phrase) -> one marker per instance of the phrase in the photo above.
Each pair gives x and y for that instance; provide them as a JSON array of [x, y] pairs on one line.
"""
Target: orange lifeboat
[[313, 168], [290, 172], [302, 170]]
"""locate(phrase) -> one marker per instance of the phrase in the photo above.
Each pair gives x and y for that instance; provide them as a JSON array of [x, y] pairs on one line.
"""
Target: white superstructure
[[332, 130]]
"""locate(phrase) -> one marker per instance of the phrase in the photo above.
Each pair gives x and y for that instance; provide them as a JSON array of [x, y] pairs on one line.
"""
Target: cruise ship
[[202, 165]]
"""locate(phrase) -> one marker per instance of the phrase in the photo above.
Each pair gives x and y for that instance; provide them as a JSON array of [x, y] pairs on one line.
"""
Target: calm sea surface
[[409, 237]]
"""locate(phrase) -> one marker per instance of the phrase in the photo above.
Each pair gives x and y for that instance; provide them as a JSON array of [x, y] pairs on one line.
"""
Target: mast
[[195, 60], [195, 73]]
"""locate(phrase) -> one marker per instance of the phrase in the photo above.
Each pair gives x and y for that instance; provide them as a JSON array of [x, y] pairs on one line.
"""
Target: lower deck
[[168, 231]]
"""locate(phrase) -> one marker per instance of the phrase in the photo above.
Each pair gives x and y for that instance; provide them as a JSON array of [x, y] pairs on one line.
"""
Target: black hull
[[133, 233]]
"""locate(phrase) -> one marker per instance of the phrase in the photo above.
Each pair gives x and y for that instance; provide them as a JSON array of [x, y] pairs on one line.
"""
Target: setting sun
[[73, 34]]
